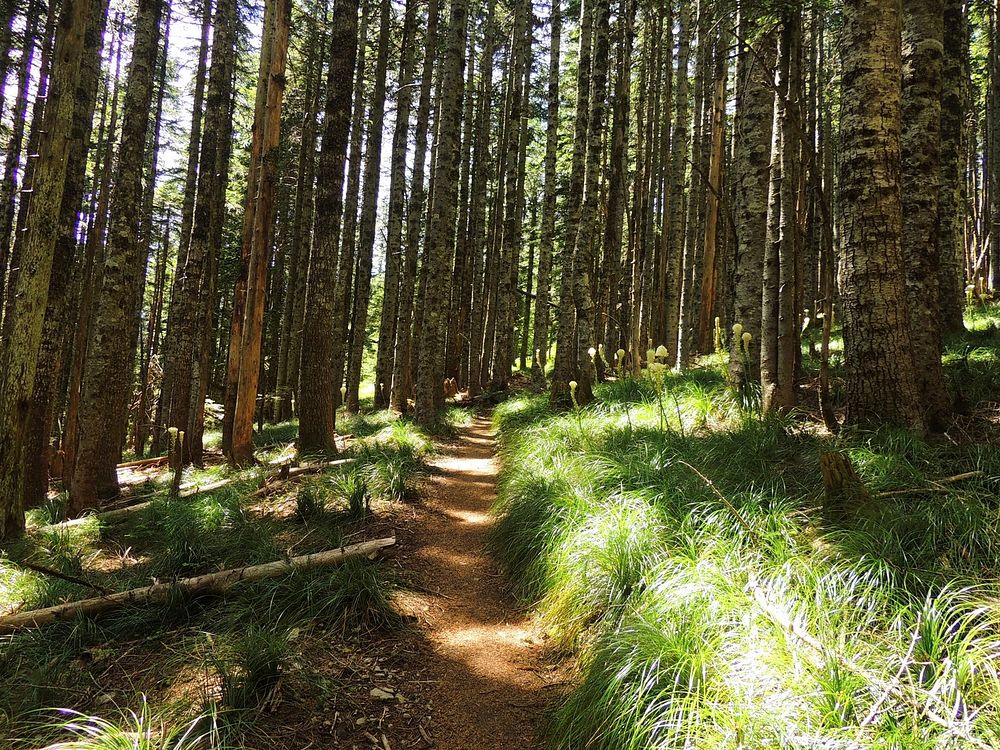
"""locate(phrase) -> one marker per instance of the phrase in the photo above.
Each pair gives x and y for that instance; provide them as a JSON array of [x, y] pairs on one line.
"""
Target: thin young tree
[[263, 225]]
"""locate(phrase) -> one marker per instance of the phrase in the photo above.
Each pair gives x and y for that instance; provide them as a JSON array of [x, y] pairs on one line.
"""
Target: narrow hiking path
[[482, 657]]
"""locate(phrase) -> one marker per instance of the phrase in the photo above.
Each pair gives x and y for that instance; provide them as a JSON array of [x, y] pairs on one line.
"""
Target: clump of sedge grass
[[712, 603]]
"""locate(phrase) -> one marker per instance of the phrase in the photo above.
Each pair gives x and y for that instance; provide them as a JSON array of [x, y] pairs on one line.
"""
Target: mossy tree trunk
[[923, 55], [881, 385], [440, 241], [317, 385], [19, 358], [107, 382]]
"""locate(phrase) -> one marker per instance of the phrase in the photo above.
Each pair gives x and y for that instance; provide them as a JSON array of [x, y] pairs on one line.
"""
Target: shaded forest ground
[[420, 648]]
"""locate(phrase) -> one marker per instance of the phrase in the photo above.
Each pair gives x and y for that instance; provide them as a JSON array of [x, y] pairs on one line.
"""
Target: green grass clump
[[248, 665], [354, 596], [310, 501], [677, 542], [134, 731], [392, 460]]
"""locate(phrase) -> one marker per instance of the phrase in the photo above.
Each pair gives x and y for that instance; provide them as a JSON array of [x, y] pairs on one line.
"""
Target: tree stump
[[844, 489]]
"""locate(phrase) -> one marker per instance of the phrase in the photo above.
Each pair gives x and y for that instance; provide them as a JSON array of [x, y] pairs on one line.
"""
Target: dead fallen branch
[[936, 485], [211, 583], [287, 473], [152, 461], [42, 570]]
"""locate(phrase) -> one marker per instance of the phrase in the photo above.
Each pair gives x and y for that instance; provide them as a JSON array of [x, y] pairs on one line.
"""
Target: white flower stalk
[[747, 338], [661, 352], [737, 331], [651, 357], [593, 354], [572, 393]]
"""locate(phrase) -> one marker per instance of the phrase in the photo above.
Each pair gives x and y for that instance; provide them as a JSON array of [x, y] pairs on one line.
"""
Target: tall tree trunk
[[27, 193], [752, 159], [993, 123], [190, 191], [317, 382], [477, 209], [587, 229], [610, 329], [881, 384], [680, 148], [37, 450], [394, 221], [19, 359], [250, 343], [8, 187], [566, 352], [709, 308], [401, 378], [548, 228], [93, 267], [430, 365], [348, 237], [186, 311], [366, 223], [136, 344], [238, 313], [503, 352], [951, 207], [923, 53], [107, 382]]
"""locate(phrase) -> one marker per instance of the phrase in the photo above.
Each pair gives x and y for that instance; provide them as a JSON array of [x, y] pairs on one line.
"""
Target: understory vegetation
[[202, 671], [685, 550]]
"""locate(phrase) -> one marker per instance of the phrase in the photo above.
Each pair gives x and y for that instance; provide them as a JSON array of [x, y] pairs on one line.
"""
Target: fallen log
[[211, 583], [111, 516], [152, 461]]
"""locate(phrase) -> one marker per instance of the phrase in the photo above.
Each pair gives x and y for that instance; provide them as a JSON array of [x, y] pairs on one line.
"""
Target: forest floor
[[485, 656], [421, 648]]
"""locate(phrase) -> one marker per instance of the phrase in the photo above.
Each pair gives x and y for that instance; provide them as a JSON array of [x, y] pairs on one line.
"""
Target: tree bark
[[751, 163], [317, 384], [430, 365], [366, 223], [401, 371], [566, 343], [951, 208], [238, 313], [107, 382], [388, 323], [37, 449], [923, 54], [881, 384], [250, 344], [540, 342], [19, 359], [186, 312]]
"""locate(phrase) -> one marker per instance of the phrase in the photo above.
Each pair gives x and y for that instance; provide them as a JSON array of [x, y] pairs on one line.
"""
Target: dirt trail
[[484, 658]]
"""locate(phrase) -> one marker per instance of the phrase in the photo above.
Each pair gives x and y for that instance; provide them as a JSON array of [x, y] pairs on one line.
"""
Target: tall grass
[[688, 562]]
